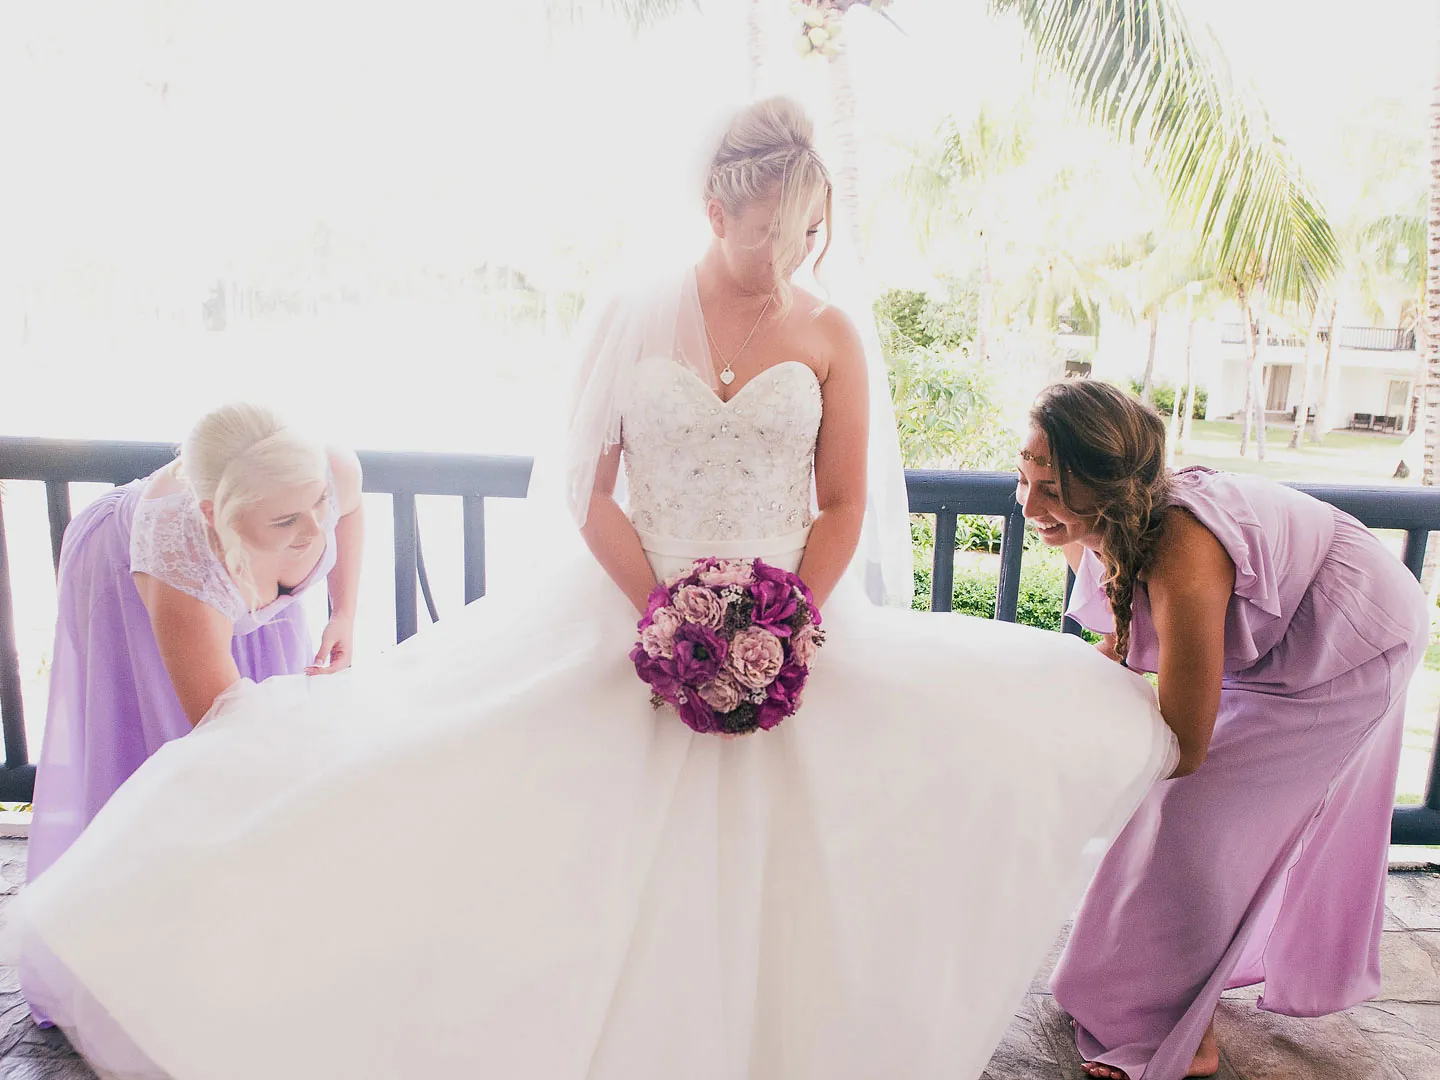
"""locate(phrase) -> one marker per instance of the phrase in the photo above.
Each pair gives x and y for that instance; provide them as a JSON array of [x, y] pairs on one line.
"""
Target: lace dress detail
[[699, 468], [170, 541]]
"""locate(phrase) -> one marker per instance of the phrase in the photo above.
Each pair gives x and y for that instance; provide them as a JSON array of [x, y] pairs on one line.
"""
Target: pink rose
[[722, 694], [699, 605], [659, 637], [755, 657], [804, 645], [727, 572]]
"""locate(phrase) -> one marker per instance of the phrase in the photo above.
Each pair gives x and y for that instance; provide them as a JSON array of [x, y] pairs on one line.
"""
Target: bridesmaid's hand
[[1106, 647], [334, 654]]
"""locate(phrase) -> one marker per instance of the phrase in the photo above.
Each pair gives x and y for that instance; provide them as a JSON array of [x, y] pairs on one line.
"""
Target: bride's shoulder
[[836, 340], [824, 317]]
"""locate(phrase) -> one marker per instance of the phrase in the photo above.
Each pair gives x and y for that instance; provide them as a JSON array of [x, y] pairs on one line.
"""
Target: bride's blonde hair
[[233, 458], [771, 144]]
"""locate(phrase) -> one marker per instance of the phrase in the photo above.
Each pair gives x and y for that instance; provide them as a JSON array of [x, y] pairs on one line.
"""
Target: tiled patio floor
[[1395, 1037]]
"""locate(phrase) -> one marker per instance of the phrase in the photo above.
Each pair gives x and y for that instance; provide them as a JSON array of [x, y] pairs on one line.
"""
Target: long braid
[[1131, 539]]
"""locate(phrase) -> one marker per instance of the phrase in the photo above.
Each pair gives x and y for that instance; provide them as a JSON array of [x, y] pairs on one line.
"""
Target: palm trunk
[[1302, 410], [755, 41], [1262, 345], [1173, 436], [1187, 415], [1148, 378], [1322, 402], [1247, 413], [1432, 330], [1432, 299], [847, 176], [986, 302], [1422, 380]]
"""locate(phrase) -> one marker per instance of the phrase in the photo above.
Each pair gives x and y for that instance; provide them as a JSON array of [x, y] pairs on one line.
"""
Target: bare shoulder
[[175, 612], [835, 340], [1190, 558], [345, 468]]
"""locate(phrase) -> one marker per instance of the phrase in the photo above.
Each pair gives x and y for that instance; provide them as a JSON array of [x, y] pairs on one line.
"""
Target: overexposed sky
[[186, 127]]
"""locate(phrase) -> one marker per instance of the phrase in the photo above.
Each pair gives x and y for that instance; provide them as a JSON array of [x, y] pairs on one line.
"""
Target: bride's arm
[[612, 539], [840, 454]]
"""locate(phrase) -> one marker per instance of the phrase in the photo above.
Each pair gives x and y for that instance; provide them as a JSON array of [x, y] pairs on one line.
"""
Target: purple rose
[[699, 654], [658, 672], [697, 715], [697, 604], [769, 715], [785, 691], [756, 656], [659, 598], [773, 591]]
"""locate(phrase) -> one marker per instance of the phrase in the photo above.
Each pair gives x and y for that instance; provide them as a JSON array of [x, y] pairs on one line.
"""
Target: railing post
[[473, 516], [407, 618], [1067, 624], [942, 563], [57, 500], [12, 705], [1414, 555], [1012, 552]]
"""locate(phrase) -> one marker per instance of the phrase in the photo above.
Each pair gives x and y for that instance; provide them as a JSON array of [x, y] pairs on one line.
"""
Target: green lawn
[[1346, 457]]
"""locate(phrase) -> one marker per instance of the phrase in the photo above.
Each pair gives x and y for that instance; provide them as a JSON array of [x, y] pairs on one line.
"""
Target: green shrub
[[973, 532], [1162, 396], [1042, 593]]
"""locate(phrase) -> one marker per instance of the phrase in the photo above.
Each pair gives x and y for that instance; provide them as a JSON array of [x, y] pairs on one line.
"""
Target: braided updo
[[770, 144], [1115, 445]]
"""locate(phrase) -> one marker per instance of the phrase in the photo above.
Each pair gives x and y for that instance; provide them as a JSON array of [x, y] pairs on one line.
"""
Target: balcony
[[1397, 1035], [1366, 338]]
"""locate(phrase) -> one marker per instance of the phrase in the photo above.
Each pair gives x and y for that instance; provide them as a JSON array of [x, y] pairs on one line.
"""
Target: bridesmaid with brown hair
[[1284, 636]]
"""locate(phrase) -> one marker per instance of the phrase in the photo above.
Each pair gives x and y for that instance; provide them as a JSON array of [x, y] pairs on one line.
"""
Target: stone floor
[[1395, 1037]]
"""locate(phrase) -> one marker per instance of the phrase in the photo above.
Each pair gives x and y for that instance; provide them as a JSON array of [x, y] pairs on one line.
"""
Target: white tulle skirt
[[487, 855]]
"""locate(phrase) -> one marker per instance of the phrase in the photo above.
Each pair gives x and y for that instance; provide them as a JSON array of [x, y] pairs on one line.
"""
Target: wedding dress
[[487, 855]]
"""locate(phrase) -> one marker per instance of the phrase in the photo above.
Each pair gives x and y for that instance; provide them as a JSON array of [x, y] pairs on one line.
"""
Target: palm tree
[[1432, 291], [1152, 279], [1136, 67], [958, 181], [1185, 410], [1257, 334], [1312, 341], [1322, 399], [755, 42]]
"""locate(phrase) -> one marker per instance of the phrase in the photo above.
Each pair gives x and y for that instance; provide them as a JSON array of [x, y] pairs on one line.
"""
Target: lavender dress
[[1268, 863], [111, 701]]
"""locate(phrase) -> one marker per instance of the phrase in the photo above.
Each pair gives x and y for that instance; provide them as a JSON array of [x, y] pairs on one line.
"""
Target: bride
[[586, 889]]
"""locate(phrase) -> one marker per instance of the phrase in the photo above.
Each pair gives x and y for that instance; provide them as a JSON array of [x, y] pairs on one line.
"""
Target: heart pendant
[[727, 376]]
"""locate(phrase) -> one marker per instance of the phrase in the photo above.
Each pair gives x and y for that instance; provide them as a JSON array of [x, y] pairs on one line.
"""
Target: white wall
[[1363, 390], [1359, 382]]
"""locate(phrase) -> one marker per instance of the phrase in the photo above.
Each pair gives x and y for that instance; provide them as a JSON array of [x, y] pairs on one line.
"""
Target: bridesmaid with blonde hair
[[178, 587]]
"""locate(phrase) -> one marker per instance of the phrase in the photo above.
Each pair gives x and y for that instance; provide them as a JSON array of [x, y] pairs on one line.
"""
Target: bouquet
[[729, 644]]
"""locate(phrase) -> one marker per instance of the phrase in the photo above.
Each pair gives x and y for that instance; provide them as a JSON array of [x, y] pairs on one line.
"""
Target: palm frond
[[1399, 242], [1136, 67]]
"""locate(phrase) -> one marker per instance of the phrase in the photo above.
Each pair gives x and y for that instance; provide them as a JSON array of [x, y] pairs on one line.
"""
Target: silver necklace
[[727, 376]]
